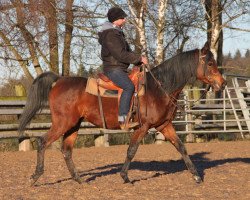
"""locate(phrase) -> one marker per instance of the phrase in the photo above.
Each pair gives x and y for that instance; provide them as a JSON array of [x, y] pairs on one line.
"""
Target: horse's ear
[[206, 48]]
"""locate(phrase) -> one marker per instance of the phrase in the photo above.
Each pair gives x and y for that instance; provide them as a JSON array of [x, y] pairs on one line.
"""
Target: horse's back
[[70, 83], [67, 90]]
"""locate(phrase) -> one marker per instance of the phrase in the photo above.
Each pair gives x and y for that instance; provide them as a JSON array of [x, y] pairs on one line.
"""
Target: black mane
[[177, 71]]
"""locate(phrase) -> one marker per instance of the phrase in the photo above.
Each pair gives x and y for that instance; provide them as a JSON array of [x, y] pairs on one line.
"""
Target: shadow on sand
[[159, 167]]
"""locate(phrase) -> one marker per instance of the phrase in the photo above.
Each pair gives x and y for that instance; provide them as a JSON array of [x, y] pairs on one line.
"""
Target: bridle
[[205, 66]]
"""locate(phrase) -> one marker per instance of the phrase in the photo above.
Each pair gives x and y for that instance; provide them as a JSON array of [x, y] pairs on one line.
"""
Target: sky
[[234, 40]]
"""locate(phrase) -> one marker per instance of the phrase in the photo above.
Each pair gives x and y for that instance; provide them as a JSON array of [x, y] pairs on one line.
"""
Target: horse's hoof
[[77, 179], [197, 179], [127, 181], [32, 182], [34, 178], [125, 177]]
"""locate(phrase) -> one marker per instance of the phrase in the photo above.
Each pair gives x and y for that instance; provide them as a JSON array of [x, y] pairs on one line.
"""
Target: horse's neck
[[173, 75], [159, 86]]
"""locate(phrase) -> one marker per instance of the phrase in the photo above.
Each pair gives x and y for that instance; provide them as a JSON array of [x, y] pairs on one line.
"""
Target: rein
[[171, 97]]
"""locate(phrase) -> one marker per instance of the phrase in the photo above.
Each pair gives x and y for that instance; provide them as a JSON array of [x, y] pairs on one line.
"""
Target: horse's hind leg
[[133, 146], [68, 144], [40, 160], [170, 134], [43, 142]]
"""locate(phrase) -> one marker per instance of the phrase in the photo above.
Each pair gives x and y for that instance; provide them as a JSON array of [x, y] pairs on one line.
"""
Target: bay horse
[[70, 104]]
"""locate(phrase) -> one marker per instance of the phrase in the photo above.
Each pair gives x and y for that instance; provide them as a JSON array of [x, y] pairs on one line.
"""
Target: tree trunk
[[160, 31], [140, 23], [214, 26], [214, 33], [27, 36], [67, 38], [137, 7], [51, 21]]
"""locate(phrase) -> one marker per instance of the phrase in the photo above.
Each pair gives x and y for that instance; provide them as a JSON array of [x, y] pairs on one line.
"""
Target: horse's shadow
[[159, 167]]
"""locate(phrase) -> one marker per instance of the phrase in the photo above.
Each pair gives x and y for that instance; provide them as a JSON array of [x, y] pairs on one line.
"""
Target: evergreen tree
[[237, 54], [247, 54], [229, 55]]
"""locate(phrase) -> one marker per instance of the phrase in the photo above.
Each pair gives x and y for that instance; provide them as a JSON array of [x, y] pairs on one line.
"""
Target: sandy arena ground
[[157, 172]]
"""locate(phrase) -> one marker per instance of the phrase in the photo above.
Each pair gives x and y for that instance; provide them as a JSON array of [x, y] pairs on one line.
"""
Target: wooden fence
[[231, 116], [14, 108]]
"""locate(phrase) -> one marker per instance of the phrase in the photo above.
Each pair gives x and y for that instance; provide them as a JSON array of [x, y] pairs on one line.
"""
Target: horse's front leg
[[133, 146], [170, 134]]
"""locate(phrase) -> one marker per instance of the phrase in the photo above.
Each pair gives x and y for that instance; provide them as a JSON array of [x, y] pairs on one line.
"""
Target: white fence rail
[[228, 114]]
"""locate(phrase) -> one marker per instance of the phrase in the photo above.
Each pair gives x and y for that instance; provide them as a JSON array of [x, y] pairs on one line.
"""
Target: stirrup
[[129, 125]]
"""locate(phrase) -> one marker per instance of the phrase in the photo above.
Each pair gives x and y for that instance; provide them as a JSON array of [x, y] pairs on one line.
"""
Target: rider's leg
[[121, 79]]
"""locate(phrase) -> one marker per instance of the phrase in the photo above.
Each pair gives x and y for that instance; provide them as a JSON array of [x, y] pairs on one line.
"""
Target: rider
[[117, 56]]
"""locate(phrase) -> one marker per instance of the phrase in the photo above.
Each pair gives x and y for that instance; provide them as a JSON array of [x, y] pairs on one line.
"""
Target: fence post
[[196, 94], [190, 136], [159, 138], [248, 85], [101, 140], [24, 143], [242, 103]]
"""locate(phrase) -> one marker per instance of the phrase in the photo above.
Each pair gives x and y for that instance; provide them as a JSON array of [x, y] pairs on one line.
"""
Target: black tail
[[37, 98]]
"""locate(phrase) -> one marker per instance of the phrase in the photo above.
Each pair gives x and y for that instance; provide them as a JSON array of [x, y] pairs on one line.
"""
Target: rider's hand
[[144, 60]]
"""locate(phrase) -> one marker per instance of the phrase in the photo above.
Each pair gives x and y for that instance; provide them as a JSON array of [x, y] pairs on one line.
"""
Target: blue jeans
[[121, 79]]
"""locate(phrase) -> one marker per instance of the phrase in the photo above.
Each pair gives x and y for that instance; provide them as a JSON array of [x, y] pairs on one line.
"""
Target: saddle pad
[[91, 88]]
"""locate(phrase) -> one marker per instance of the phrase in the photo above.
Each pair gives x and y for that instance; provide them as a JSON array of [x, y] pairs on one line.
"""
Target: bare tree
[[67, 37], [28, 37], [138, 13], [214, 28], [33, 31], [216, 12], [62, 35], [18, 57], [49, 10], [160, 31]]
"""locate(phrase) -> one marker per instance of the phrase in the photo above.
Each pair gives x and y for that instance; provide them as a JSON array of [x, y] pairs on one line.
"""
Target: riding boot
[[126, 124]]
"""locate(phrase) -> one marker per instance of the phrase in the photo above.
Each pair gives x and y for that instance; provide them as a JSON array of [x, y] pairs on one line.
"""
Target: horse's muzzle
[[217, 86]]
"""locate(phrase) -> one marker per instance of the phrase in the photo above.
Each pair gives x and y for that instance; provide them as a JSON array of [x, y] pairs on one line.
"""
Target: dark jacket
[[116, 52]]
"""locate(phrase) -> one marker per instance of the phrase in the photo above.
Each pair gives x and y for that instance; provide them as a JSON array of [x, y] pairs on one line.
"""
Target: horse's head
[[207, 70]]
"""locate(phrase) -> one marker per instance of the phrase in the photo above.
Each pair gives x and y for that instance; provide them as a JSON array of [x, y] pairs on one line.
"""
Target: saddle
[[108, 89], [102, 86]]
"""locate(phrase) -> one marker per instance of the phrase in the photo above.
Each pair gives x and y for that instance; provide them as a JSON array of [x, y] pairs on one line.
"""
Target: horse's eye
[[210, 64]]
